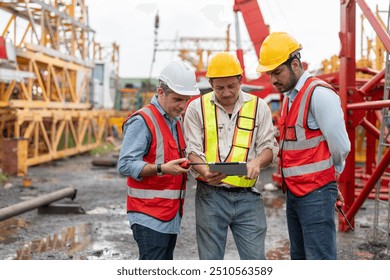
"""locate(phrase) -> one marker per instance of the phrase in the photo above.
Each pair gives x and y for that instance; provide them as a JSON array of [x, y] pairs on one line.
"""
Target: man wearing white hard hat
[[152, 151]]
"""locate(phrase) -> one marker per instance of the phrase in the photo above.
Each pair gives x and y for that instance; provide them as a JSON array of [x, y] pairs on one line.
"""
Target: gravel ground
[[101, 232]]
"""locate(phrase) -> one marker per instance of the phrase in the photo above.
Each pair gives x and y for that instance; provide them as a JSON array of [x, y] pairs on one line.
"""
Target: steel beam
[[369, 185], [347, 92], [369, 105]]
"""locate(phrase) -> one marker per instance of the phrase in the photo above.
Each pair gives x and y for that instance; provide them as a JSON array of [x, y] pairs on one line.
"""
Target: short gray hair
[[163, 85]]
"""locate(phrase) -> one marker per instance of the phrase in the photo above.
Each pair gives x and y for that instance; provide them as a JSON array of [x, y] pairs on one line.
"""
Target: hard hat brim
[[222, 76], [189, 93], [263, 69]]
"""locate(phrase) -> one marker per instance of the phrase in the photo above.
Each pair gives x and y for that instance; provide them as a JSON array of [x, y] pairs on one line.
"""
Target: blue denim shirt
[[135, 145]]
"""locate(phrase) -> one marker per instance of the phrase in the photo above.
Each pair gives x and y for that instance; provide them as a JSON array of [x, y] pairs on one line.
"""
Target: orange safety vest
[[306, 162], [242, 139], [159, 196]]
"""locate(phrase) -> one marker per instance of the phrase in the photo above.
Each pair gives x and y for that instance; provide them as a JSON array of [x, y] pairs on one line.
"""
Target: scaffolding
[[362, 101], [45, 79], [382, 206]]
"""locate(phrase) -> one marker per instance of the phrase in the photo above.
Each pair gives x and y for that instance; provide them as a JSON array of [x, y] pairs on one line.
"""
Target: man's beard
[[291, 84]]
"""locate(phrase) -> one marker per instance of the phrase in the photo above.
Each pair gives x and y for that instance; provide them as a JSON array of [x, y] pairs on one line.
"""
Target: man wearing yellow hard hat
[[228, 125], [313, 147]]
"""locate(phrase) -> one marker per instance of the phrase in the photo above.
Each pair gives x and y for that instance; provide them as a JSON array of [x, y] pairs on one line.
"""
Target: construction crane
[[47, 70]]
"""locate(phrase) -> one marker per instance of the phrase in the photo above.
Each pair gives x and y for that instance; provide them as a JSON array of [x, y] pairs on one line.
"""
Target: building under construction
[[52, 104]]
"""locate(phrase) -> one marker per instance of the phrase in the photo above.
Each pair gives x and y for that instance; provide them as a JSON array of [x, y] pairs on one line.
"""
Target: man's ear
[[295, 65], [160, 91]]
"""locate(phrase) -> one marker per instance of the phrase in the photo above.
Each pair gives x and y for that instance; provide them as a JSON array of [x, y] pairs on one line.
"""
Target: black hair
[[290, 60]]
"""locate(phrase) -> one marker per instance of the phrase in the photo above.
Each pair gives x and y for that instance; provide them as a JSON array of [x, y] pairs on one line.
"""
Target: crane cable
[[156, 26]]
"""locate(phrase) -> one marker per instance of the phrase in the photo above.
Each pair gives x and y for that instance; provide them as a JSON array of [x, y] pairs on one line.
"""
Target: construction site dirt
[[94, 224]]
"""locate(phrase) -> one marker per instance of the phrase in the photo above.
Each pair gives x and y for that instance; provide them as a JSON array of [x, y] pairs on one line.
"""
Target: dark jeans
[[311, 224], [153, 245]]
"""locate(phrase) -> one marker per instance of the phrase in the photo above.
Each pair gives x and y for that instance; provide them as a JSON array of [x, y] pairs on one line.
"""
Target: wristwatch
[[159, 171]]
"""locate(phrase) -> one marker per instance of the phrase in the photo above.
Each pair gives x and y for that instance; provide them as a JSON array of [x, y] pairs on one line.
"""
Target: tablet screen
[[229, 168]]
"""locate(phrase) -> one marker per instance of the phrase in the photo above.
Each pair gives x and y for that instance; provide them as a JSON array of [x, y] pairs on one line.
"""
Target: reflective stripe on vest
[[242, 137], [307, 168], [149, 194], [309, 143], [159, 137]]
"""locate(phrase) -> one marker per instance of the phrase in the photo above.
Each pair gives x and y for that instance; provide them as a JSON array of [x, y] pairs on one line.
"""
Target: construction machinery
[[49, 62]]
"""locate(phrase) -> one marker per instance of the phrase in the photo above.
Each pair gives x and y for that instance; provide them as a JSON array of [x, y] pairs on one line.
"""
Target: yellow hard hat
[[223, 64], [276, 49]]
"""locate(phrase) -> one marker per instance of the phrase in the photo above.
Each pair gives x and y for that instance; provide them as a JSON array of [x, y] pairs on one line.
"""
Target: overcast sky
[[130, 23]]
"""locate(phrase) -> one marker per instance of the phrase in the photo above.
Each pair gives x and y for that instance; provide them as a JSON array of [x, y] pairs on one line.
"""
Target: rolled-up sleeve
[[193, 129], [265, 136]]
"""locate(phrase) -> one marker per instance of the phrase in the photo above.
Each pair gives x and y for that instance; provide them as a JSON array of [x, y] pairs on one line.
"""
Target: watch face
[[159, 171]]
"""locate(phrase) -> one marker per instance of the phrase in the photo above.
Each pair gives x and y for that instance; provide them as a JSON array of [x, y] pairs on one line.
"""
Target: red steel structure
[[360, 101]]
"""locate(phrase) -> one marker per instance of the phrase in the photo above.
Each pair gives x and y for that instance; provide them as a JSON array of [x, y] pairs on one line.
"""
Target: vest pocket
[[297, 157], [245, 123], [291, 134], [173, 144]]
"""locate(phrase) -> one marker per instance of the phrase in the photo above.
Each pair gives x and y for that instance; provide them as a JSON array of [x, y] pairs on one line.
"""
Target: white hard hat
[[180, 78]]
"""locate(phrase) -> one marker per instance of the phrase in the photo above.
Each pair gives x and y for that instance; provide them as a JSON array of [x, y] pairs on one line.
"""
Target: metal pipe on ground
[[31, 204], [104, 162]]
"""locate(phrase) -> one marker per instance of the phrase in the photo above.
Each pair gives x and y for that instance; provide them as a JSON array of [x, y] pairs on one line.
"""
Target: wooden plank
[[15, 153]]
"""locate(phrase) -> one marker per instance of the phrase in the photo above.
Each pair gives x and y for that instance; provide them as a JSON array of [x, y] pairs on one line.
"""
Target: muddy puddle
[[70, 240], [9, 229]]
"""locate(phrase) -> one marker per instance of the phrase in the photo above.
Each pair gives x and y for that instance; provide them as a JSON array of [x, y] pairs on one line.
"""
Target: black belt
[[232, 189]]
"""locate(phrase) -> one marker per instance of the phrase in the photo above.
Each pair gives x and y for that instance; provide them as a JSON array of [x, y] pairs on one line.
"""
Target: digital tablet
[[229, 168]]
